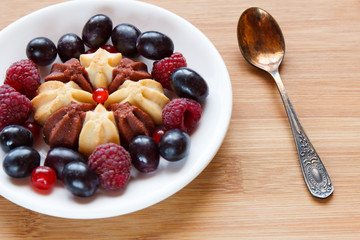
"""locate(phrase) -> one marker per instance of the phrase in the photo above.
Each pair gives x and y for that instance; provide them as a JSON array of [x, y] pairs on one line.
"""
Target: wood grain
[[253, 188]]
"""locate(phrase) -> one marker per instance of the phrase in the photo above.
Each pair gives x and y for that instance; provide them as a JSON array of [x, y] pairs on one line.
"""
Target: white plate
[[143, 190]]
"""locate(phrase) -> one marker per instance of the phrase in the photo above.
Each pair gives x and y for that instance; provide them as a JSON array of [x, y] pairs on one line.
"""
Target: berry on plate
[[100, 95], [58, 157], [15, 108], [182, 113], [41, 50], [144, 152], [174, 145], [187, 83], [157, 134], [112, 163], [21, 161], [14, 136], [43, 178], [163, 69], [34, 128], [80, 179], [97, 31], [70, 46], [124, 38], [154, 45], [24, 76]]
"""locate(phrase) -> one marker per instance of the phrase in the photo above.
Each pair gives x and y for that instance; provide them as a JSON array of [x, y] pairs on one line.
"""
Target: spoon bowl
[[262, 44], [260, 39]]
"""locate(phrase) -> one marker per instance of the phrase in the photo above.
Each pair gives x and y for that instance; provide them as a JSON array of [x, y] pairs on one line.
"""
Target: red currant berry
[[109, 48], [43, 178], [157, 134], [100, 95], [34, 128]]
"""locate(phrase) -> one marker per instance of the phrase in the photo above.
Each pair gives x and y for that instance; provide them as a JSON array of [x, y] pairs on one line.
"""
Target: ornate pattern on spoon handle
[[316, 177], [314, 172]]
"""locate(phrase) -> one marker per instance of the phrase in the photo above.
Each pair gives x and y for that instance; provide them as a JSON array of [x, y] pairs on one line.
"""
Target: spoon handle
[[316, 177]]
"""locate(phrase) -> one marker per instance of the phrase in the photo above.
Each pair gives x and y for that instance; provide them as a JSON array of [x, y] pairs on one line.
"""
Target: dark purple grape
[[14, 136], [124, 38], [58, 157], [97, 31], [41, 50], [174, 145], [189, 84], [80, 179], [144, 153], [21, 161], [70, 46], [154, 45]]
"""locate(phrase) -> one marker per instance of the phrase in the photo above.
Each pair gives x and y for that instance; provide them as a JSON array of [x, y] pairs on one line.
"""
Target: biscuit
[[53, 95], [99, 66], [99, 127], [146, 94]]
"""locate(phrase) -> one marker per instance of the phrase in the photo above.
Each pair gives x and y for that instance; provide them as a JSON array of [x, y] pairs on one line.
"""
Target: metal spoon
[[262, 44]]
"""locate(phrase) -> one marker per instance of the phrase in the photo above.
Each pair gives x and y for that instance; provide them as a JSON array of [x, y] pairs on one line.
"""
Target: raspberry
[[112, 163], [15, 108], [163, 69], [182, 113], [24, 76]]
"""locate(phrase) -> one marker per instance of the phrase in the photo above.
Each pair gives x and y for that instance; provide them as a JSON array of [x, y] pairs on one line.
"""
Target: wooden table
[[253, 188]]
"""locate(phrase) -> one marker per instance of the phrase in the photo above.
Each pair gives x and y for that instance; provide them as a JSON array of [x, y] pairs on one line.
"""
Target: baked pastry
[[71, 70], [128, 70], [99, 127], [146, 94], [53, 95], [62, 129], [99, 66], [131, 121]]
